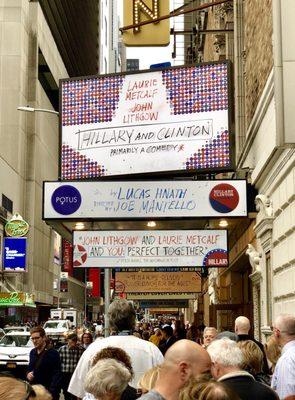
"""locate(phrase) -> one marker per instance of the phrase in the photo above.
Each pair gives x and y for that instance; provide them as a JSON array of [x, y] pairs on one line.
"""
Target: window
[[268, 288], [7, 203]]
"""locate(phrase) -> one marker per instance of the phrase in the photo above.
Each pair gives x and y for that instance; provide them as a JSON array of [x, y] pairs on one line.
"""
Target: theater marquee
[[170, 120]]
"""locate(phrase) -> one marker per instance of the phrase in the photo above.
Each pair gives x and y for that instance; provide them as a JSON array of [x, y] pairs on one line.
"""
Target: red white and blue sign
[[224, 198], [145, 199], [14, 254], [171, 120], [216, 258]]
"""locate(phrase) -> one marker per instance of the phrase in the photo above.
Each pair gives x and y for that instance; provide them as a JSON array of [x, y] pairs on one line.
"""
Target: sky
[[148, 55]]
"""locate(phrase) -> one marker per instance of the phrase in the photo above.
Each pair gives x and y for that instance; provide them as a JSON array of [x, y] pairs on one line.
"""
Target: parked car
[[15, 349], [16, 329]]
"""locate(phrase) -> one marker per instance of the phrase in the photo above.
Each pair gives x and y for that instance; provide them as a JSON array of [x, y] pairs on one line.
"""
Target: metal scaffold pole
[[107, 300]]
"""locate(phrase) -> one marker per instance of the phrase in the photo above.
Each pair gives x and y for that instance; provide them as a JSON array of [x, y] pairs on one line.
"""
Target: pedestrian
[[168, 339], [273, 352], [148, 380], [283, 379], [143, 354], [226, 357], [212, 391], [209, 335], [184, 360], [44, 364], [156, 337], [15, 389], [107, 380], [86, 339], [69, 356], [117, 354], [253, 361], [242, 329]]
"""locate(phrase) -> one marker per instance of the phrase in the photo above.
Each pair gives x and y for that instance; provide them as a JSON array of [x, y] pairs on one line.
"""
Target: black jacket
[[249, 389], [168, 343], [46, 368]]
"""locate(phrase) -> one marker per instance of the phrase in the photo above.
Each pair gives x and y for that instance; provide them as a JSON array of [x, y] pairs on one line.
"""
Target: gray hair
[[122, 315], [225, 352], [286, 324], [210, 328], [108, 376]]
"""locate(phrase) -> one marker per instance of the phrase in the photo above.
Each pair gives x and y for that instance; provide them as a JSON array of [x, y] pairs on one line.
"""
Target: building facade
[[256, 35], [41, 43]]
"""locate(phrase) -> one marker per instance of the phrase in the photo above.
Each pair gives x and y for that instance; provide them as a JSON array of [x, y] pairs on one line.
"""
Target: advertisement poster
[[175, 119], [157, 282], [14, 254], [145, 199], [109, 249]]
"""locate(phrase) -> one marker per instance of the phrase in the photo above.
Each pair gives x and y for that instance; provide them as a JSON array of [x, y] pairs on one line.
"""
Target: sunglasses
[[30, 392]]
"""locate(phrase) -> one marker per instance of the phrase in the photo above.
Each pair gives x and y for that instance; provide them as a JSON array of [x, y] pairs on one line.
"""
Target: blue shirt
[[283, 380]]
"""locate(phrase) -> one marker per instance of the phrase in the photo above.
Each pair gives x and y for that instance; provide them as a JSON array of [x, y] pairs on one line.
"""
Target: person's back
[[144, 355], [283, 380], [248, 388], [227, 358]]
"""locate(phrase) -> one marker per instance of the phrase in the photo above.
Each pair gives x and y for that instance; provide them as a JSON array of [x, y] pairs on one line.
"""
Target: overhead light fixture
[[32, 109], [151, 224], [79, 226], [223, 223]]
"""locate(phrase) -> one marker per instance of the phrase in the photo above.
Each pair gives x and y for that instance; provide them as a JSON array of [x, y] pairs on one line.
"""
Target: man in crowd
[[44, 365], [283, 380], [242, 329], [184, 360], [69, 357], [209, 335], [144, 355], [226, 359], [168, 338]]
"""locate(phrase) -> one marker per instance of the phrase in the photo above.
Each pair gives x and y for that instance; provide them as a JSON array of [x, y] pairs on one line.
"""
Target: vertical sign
[[153, 34], [67, 249], [14, 254]]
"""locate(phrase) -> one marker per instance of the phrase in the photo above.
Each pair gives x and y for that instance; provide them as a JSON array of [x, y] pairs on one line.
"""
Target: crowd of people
[[163, 360]]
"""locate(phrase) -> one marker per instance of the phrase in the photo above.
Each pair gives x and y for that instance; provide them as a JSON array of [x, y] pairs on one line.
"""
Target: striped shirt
[[283, 380]]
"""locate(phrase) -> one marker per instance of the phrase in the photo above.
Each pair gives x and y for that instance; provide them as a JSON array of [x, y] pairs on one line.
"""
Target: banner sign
[[164, 303], [17, 299], [156, 282], [175, 119], [14, 254], [109, 249], [145, 199], [161, 296]]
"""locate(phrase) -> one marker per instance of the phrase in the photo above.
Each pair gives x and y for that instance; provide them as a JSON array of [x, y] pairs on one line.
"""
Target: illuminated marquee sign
[[171, 120], [153, 34]]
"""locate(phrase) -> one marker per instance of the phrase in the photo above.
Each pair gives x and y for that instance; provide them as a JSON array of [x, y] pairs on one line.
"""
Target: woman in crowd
[[86, 339], [107, 380], [14, 389], [273, 352], [120, 355], [148, 380], [216, 391], [253, 361]]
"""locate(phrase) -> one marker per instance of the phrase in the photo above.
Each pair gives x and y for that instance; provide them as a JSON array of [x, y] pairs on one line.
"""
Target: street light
[[31, 109]]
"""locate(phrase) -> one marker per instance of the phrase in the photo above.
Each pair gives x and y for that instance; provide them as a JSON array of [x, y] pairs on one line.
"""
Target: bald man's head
[[242, 325], [284, 328], [190, 355]]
